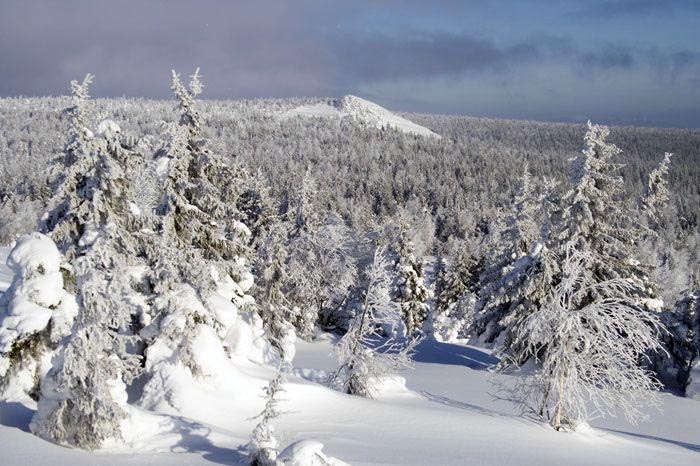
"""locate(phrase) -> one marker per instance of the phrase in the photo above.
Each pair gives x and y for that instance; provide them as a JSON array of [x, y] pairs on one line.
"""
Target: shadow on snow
[[194, 438], [436, 352], [689, 446], [15, 415]]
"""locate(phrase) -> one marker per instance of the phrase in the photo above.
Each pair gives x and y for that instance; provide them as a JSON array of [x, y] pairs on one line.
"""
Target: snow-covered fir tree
[[83, 395], [597, 217], [593, 338], [364, 354], [263, 445], [681, 342], [522, 272], [256, 208], [454, 296], [410, 290], [201, 254], [68, 208], [656, 197], [271, 276]]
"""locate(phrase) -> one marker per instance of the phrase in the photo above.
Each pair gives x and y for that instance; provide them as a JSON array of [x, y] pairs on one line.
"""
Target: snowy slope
[[447, 417], [362, 110], [442, 415]]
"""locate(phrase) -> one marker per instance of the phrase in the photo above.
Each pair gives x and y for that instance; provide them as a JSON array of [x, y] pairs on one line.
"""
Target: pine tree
[[273, 305], [70, 205], [657, 194], [256, 209], [590, 332]]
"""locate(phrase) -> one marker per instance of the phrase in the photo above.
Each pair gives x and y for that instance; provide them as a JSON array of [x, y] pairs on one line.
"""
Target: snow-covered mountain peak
[[362, 110]]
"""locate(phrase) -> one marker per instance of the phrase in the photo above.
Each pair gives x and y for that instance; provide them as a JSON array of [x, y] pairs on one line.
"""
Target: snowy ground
[[443, 416]]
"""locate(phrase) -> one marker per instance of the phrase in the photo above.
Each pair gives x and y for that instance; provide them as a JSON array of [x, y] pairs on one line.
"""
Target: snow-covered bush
[[682, 344], [320, 272]]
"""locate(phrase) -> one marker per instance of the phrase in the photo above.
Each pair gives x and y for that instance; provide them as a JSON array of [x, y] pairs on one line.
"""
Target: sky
[[612, 61]]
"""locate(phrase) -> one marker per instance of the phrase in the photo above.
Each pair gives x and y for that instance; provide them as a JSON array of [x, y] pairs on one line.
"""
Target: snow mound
[[390, 386], [36, 294], [307, 453], [361, 110]]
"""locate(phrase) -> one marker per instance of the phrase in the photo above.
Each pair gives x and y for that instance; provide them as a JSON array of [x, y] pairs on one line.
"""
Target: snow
[[36, 293], [108, 128], [34, 251], [656, 305], [307, 453], [442, 412], [449, 418], [361, 110]]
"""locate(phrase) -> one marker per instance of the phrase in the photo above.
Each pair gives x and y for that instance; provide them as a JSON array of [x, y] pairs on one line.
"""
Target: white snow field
[[363, 110], [442, 415]]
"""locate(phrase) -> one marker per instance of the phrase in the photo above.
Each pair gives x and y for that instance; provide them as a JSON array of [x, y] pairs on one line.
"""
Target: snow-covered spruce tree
[[364, 355], [521, 273], [660, 244], [35, 314], [657, 195], [682, 341], [454, 297], [410, 290], [593, 339], [272, 304], [83, 395], [597, 217], [202, 248], [262, 448], [68, 208], [256, 208]]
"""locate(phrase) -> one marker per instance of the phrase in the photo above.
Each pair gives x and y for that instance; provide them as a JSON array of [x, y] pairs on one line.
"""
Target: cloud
[[277, 48], [630, 8]]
